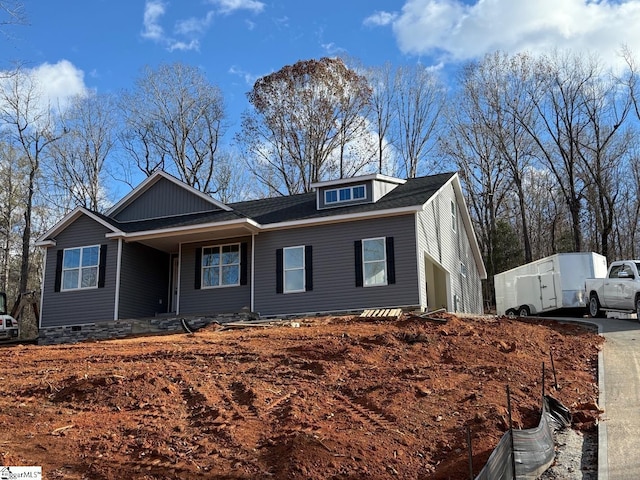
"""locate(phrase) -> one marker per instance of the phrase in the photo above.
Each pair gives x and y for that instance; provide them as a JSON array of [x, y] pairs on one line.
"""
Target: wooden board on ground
[[380, 313]]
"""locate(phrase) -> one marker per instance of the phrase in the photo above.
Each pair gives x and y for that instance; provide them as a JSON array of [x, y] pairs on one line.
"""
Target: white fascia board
[[153, 179], [342, 218], [363, 178], [45, 241], [252, 226]]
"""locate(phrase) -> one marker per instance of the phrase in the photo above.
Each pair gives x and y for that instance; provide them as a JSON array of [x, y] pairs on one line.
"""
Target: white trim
[[152, 180], [198, 228], [253, 263], [44, 240], [362, 178], [284, 270], [179, 278], [420, 265], [116, 306], [44, 271]]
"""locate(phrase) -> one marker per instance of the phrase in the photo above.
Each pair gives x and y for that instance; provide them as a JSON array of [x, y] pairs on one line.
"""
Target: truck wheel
[[638, 307], [524, 311], [594, 306], [511, 313]]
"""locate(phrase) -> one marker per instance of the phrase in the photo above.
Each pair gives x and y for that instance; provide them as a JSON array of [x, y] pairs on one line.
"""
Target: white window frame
[[286, 269], [351, 189], [219, 266], [454, 216], [383, 260], [79, 268]]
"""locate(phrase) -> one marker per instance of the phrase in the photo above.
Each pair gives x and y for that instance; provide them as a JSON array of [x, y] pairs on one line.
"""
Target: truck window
[[627, 269], [613, 273]]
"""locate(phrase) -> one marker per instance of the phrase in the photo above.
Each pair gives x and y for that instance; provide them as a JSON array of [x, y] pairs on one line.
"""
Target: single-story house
[[166, 249]]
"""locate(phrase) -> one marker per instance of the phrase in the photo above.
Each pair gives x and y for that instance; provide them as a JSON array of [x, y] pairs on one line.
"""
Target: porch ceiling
[[170, 241]]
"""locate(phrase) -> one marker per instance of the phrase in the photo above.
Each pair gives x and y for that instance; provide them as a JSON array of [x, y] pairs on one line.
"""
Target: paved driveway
[[619, 427]]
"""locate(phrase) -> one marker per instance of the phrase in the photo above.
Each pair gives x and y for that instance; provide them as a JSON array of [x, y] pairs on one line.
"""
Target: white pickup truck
[[619, 291]]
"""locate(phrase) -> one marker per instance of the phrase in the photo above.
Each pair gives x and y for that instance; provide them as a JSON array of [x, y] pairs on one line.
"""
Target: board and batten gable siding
[[211, 300], [164, 199], [333, 266], [144, 281], [75, 307], [437, 238]]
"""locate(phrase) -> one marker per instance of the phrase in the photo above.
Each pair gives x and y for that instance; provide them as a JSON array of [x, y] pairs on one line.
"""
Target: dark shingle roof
[[416, 191]]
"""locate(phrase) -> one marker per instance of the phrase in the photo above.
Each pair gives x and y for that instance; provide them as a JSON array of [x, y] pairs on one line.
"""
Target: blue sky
[[103, 44]]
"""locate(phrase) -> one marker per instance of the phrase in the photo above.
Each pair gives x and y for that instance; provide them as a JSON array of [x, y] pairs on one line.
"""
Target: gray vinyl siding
[[84, 305], [211, 300], [448, 248], [144, 281], [164, 199], [381, 189], [334, 268]]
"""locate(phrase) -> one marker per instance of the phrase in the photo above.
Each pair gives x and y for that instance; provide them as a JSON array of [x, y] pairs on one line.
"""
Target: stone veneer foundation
[[125, 328]]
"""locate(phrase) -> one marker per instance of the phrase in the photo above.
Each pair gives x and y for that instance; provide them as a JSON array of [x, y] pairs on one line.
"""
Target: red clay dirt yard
[[336, 398]]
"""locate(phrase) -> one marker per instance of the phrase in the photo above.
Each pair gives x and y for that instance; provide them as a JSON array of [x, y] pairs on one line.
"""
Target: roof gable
[[162, 195], [48, 238]]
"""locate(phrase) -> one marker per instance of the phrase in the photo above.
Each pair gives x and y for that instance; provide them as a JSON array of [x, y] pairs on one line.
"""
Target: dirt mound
[[336, 398]]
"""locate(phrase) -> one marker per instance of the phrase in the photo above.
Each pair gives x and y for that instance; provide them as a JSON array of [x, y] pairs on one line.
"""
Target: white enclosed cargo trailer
[[550, 283]]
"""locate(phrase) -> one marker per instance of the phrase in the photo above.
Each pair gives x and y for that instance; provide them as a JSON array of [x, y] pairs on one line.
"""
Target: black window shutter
[[279, 271], [357, 247], [58, 281], [308, 268], [102, 268], [391, 262], [198, 273], [243, 263]]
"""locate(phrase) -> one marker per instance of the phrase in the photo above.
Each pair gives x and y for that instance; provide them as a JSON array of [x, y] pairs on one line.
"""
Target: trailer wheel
[[524, 311], [511, 313], [594, 306]]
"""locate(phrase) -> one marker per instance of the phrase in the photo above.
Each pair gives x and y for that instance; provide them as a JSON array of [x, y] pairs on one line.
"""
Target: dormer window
[[345, 194]]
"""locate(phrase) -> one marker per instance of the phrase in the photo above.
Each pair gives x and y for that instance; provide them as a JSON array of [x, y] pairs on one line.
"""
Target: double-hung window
[[454, 216], [221, 266], [80, 267], [293, 269], [374, 261]]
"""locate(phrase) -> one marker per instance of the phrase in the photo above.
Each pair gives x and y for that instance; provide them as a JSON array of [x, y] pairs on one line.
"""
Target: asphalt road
[[619, 384]]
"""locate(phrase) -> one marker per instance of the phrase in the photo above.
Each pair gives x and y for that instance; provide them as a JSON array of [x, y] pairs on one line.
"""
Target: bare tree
[[174, 120], [80, 154], [419, 100], [304, 117], [382, 111], [30, 129]]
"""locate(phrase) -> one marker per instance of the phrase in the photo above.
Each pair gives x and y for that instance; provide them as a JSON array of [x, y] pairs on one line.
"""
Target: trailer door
[[548, 291], [548, 296]]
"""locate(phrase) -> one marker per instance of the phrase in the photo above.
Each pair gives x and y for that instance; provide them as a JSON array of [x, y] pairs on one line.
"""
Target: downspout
[[44, 269], [253, 263], [116, 303]]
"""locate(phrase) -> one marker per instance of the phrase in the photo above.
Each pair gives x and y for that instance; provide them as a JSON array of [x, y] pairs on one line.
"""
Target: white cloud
[[248, 78], [153, 11], [59, 82], [183, 46], [54, 85], [230, 6], [194, 25], [461, 31], [379, 19]]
